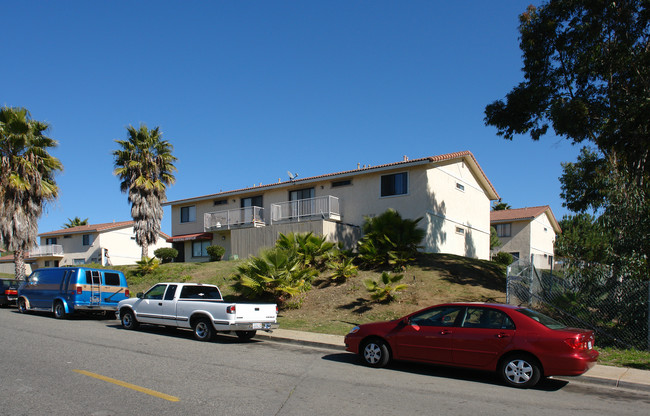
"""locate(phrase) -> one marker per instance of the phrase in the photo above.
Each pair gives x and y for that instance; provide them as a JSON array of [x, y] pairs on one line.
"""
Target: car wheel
[[375, 353], [245, 335], [59, 310], [128, 320], [520, 371], [22, 305], [203, 330]]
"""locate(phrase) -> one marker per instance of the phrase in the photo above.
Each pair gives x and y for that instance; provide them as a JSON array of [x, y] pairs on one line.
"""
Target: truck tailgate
[[250, 312]]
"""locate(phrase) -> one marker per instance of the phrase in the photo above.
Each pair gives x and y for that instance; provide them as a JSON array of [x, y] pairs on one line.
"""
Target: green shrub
[[166, 254], [503, 258], [147, 265], [216, 252], [342, 269], [388, 291]]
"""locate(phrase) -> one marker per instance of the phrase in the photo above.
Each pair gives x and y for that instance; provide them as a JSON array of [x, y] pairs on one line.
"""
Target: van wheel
[[22, 305], [245, 335], [59, 310], [203, 330], [128, 320]]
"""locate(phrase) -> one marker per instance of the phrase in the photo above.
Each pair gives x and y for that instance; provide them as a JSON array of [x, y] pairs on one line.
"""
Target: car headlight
[[354, 330]]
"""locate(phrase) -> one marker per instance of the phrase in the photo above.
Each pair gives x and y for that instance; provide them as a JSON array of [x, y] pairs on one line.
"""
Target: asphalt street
[[88, 366]]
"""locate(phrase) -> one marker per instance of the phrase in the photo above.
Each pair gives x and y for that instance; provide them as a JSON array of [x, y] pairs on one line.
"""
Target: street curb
[[584, 379]]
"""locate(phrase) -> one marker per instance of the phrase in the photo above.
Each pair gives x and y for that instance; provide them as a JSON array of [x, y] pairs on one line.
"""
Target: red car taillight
[[11, 292], [79, 290], [579, 343], [230, 309], [127, 293]]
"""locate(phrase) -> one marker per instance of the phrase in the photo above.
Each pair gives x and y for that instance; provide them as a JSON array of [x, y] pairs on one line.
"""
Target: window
[[200, 292], [78, 261], [47, 263], [85, 239], [50, 241], [460, 186], [220, 202], [442, 316], [111, 279], [171, 291], [155, 292], [515, 255], [460, 230], [486, 318], [200, 248], [301, 194], [67, 236], [503, 230], [395, 184], [188, 214], [341, 183], [92, 277]]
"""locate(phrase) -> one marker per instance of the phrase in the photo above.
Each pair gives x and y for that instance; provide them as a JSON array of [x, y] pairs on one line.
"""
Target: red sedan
[[520, 344]]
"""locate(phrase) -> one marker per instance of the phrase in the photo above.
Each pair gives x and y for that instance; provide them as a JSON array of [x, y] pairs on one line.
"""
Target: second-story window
[[395, 184], [503, 230], [50, 241], [188, 214], [86, 240]]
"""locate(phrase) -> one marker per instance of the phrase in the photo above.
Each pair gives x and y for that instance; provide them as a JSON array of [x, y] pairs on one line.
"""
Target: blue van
[[65, 290]]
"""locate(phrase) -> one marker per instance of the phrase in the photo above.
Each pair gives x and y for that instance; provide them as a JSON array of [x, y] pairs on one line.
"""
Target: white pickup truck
[[198, 307]]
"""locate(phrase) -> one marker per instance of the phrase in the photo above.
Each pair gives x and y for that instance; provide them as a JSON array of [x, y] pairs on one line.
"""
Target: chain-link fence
[[592, 297]]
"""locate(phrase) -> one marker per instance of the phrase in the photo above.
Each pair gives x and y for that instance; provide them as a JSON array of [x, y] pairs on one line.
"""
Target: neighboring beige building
[[112, 244], [527, 231], [450, 192]]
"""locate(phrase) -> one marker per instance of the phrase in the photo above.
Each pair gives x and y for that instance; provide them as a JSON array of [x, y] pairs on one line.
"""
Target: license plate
[[257, 326], [589, 345]]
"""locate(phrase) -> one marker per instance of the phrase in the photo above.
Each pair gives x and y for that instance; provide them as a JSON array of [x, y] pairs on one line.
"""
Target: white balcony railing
[[325, 207], [234, 218], [46, 251]]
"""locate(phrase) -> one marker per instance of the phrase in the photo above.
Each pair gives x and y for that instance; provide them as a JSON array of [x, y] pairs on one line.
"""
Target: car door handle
[[502, 335], [159, 303], [445, 332]]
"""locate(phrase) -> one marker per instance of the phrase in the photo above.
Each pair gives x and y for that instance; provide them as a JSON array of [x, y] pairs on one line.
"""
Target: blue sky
[[247, 90]]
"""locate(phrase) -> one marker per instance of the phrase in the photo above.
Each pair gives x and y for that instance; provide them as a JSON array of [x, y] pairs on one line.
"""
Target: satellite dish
[[291, 175]]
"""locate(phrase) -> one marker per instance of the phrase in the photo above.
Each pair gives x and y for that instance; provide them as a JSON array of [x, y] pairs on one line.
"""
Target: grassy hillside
[[334, 308]]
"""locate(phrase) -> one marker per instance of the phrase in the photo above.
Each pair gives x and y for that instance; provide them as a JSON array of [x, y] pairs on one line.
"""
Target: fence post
[[648, 346], [532, 280]]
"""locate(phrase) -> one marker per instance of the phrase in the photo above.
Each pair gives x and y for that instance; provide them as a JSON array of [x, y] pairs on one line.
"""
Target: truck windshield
[[200, 292]]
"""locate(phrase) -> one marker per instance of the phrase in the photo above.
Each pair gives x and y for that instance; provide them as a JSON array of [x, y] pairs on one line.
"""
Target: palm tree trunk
[[19, 262], [145, 250]]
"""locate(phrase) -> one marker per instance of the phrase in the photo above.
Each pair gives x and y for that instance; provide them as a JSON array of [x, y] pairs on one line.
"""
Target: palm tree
[[144, 163], [26, 180], [501, 206], [75, 222]]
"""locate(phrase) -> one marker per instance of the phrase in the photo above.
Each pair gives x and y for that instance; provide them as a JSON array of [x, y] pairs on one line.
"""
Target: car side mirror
[[406, 321], [139, 295]]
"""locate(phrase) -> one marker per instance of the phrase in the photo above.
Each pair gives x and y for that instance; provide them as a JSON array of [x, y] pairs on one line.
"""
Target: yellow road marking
[[129, 385]]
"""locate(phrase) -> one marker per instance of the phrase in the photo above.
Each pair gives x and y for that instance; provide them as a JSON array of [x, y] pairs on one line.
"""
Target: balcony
[[323, 207], [50, 250], [234, 218]]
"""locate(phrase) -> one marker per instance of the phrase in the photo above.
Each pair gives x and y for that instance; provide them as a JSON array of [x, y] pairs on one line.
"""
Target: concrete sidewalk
[[617, 377]]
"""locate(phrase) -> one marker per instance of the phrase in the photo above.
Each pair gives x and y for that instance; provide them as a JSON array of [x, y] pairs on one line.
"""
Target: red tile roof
[[522, 214], [188, 237], [467, 155]]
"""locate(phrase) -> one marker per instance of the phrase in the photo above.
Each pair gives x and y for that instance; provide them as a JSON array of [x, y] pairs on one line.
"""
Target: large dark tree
[[144, 163], [587, 76], [26, 180]]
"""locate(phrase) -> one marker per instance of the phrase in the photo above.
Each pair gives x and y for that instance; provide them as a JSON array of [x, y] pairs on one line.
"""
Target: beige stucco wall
[[122, 248], [518, 242], [433, 195]]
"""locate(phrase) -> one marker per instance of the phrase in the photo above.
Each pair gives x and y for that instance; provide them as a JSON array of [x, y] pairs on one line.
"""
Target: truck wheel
[[203, 329], [245, 335], [59, 310], [22, 305], [128, 320]]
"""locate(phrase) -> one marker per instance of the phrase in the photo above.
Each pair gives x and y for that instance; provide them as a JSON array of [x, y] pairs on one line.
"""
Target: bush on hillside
[[216, 252], [503, 258], [166, 254]]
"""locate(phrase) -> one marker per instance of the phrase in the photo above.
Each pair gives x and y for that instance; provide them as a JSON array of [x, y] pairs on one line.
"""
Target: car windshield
[[542, 319]]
